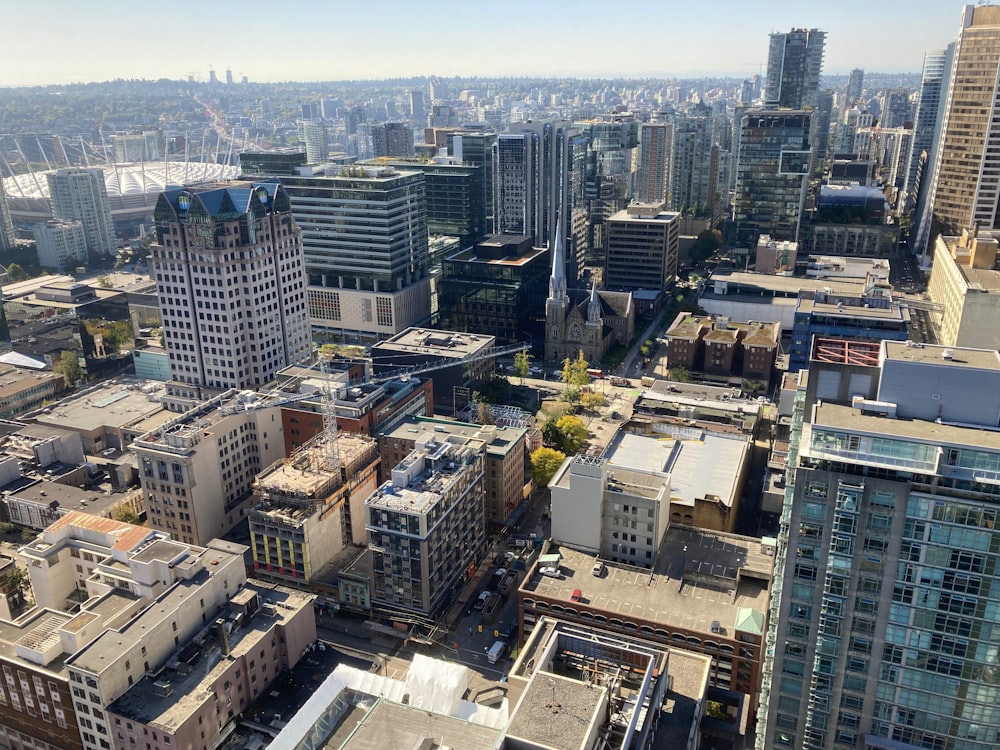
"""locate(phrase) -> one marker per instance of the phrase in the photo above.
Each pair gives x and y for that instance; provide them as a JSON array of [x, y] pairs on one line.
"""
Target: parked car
[[550, 571]]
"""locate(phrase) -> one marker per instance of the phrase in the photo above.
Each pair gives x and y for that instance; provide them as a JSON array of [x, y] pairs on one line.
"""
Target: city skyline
[[653, 40]]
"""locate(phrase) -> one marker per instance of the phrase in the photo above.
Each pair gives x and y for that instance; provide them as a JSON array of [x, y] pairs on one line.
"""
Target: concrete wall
[[577, 505]]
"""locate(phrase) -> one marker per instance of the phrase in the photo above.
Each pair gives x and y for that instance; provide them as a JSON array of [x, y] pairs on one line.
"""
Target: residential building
[[505, 475], [794, 66], [418, 347], [681, 475], [642, 248], [497, 287], [61, 245], [311, 506], [772, 173], [79, 194], [364, 234], [966, 181], [926, 133], [427, 526], [966, 285], [315, 137], [670, 605], [855, 85], [197, 470], [652, 180], [720, 347], [393, 139], [871, 315], [882, 566], [229, 273], [694, 161]]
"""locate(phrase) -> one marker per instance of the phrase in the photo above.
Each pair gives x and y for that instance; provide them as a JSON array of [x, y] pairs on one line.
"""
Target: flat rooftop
[[556, 711], [689, 680], [700, 464], [117, 404], [307, 471], [392, 725], [657, 596], [67, 497], [961, 358], [894, 312], [504, 438], [470, 256], [14, 381], [439, 343], [748, 282]]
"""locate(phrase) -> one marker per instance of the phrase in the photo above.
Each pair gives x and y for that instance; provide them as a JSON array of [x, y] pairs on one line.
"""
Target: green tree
[[16, 273], [15, 584], [705, 244], [69, 367], [592, 401], [104, 282], [680, 374], [522, 364], [126, 515], [545, 462], [568, 433]]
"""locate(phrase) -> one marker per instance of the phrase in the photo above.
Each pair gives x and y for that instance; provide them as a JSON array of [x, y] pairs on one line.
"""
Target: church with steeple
[[587, 320]]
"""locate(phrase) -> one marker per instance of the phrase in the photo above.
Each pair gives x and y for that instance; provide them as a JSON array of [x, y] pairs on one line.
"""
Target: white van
[[496, 652]]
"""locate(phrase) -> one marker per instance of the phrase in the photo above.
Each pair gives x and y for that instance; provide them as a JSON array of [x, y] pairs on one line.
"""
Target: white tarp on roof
[[22, 360]]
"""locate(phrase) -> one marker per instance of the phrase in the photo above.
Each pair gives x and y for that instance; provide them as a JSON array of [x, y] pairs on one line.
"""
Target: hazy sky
[[60, 41]]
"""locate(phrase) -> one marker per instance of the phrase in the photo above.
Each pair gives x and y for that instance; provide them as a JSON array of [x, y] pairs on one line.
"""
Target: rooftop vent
[[948, 354]]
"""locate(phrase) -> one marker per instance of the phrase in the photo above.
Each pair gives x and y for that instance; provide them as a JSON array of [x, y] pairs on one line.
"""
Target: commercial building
[[81, 195], [933, 91], [872, 315], [427, 526], [311, 506], [775, 257], [966, 181], [718, 346], [497, 287], [966, 286], [794, 66], [230, 277], [364, 234], [197, 470], [668, 404], [506, 451], [61, 245], [772, 173], [417, 347], [642, 247], [669, 605], [882, 572], [23, 391], [680, 474]]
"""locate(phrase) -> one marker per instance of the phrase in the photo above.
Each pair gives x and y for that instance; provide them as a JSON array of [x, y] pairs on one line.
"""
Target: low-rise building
[[505, 457], [708, 593], [717, 346], [311, 506], [417, 347], [966, 285], [427, 525], [197, 469]]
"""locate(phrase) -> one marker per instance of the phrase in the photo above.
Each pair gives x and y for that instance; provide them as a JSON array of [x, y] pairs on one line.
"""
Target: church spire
[[594, 307], [557, 279]]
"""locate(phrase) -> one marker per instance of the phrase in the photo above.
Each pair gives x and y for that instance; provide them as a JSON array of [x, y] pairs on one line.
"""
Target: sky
[[69, 41]]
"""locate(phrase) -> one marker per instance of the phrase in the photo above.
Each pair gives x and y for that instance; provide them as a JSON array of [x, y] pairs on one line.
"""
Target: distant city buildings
[[230, 277], [81, 195], [6, 225]]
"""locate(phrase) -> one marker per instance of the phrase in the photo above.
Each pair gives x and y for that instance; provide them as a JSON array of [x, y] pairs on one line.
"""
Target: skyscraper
[[231, 281], [6, 226], [317, 144], [927, 121], [967, 167], [772, 173], [694, 162], [794, 65], [81, 195], [654, 162], [392, 139], [882, 631], [855, 85]]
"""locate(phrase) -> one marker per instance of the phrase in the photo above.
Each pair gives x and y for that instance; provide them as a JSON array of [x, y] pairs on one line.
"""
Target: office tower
[[694, 161], [364, 234], [538, 168], [230, 277], [427, 525], [81, 195], [855, 85], [882, 631], [967, 167], [654, 162], [392, 139], [6, 225], [229, 76], [354, 117], [794, 65], [475, 148], [61, 245], [772, 174], [317, 144], [438, 89], [896, 109], [824, 117], [611, 144], [926, 125], [643, 244], [417, 108]]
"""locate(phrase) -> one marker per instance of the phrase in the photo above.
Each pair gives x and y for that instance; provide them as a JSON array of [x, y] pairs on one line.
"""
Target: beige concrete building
[[505, 457], [197, 470], [311, 506], [963, 281]]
